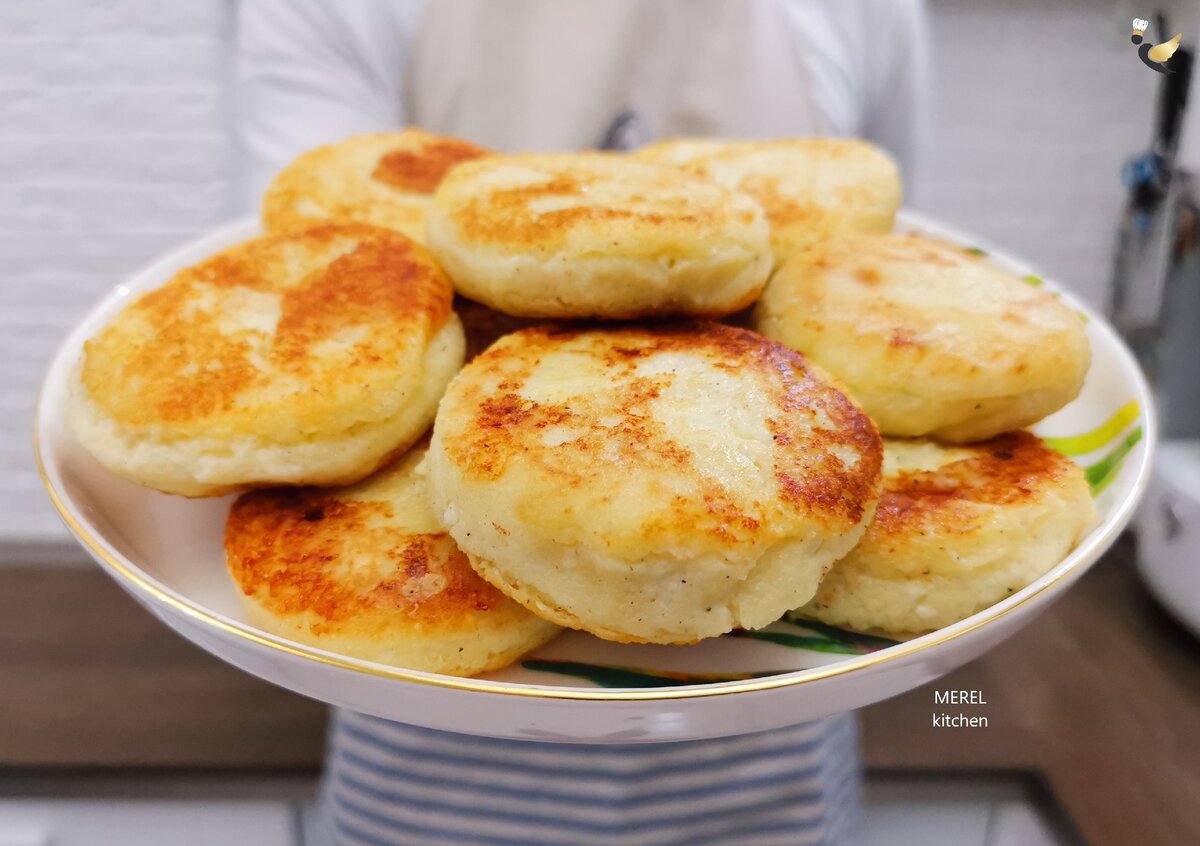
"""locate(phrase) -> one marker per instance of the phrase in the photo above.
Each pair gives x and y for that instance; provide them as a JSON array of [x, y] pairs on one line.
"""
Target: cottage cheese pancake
[[385, 180], [958, 529], [651, 484], [366, 571], [597, 235], [931, 339], [809, 187], [309, 358]]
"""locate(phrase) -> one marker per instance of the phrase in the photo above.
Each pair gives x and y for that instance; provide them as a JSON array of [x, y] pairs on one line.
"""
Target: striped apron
[[389, 784]]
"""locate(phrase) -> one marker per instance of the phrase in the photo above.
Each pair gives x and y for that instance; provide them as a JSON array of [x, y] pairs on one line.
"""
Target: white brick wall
[[113, 148], [1036, 105]]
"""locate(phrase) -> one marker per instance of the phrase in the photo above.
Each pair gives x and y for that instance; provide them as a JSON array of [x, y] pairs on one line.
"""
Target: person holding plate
[[609, 74]]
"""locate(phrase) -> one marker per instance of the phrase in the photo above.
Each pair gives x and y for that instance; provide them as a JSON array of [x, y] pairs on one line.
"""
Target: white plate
[[167, 552]]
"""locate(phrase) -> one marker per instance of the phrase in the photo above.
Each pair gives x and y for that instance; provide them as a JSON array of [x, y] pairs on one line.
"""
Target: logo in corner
[[1154, 56]]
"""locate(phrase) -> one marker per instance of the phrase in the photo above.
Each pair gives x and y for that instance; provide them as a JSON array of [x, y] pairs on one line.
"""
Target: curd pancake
[[809, 187], [929, 338], [957, 530], [306, 359], [366, 571], [651, 484], [597, 235], [385, 180]]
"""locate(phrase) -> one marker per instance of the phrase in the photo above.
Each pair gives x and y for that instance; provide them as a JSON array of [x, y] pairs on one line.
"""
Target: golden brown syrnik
[[387, 179], [309, 358], [809, 187], [578, 235], [651, 483], [366, 571], [931, 339], [958, 529]]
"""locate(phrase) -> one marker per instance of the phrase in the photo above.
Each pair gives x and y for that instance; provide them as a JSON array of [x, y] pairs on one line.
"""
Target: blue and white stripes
[[388, 784]]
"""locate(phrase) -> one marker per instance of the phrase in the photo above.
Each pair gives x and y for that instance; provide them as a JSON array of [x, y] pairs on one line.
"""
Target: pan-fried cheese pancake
[[931, 339], [651, 484], [308, 358], [366, 571], [809, 187], [579, 235], [958, 529], [387, 179]]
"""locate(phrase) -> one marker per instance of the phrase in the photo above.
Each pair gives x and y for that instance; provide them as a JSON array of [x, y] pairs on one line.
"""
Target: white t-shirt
[[573, 74]]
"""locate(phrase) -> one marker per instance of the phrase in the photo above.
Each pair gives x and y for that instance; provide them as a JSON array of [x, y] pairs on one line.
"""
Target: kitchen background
[[114, 147]]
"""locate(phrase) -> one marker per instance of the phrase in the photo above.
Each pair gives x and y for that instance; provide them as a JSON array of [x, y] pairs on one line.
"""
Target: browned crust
[[904, 337], [1011, 469], [787, 211], [502, 215], [386, 179], [805, 211], [810, 477], [284, 548], [420, 171], [386, 283]]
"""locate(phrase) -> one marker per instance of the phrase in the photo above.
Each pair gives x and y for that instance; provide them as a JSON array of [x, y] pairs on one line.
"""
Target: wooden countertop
[[1100, 697]]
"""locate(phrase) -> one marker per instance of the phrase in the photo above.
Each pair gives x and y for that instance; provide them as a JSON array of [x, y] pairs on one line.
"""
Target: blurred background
[[116, 145]]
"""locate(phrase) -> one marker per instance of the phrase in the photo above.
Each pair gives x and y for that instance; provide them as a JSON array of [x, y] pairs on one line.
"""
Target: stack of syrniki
[[644, 481]]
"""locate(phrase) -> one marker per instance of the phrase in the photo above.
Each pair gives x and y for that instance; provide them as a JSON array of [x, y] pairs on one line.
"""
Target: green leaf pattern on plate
[[1099, 437], [607, 676], [1101, 473], [819, 637]]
